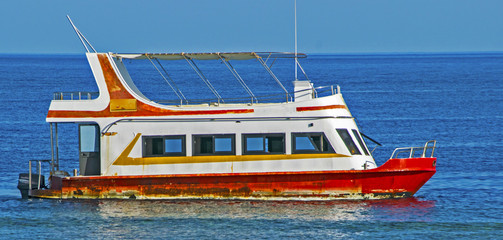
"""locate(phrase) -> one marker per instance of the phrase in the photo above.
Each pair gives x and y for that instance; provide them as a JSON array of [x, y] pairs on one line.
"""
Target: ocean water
[[399, 100]]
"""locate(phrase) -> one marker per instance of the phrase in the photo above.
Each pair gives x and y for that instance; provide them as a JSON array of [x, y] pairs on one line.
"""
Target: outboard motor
[[23, 183]]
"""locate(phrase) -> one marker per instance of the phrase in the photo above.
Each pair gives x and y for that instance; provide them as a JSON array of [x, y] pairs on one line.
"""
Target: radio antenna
[[296, 60], [81, 36]]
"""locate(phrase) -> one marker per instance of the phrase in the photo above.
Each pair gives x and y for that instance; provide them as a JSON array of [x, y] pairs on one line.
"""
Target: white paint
[[266, 118]]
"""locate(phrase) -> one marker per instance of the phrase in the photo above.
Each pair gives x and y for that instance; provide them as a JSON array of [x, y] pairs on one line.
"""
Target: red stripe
[[317, 108]]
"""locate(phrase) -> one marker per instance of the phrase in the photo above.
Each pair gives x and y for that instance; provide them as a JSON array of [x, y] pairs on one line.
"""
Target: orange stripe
[[166, 112], [317, 108]]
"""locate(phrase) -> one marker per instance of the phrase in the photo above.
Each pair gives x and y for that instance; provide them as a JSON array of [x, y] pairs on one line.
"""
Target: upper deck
[[118, 96]]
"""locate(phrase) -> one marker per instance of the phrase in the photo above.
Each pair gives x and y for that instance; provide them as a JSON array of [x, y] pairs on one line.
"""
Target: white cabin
[[122, 132]]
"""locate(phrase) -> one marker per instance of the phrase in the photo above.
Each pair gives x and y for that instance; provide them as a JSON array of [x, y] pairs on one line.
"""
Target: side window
[[264, 143], [157, 146], [360, 141], [310, 143], [214, 144], [174, 146], [346, 138], [89, 138]]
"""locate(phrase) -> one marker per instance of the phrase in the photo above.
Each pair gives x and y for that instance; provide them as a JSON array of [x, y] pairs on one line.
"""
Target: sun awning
[[209, 56]]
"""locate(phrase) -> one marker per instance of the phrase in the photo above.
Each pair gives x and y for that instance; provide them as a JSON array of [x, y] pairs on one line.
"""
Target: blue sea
[[400, 100]]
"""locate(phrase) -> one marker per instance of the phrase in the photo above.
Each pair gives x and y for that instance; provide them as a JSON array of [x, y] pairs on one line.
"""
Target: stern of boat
[[34, 183]]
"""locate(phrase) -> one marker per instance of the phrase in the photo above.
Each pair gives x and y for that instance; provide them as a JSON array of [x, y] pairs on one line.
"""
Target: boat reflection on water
[[340, 210]]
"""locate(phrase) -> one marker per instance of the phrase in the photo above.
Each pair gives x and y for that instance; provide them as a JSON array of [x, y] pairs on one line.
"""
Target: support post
[[29, 176], [173, 87], [273, 76], [57, 147], [52, 151], [239, 78], [39, 173], [201, 75]]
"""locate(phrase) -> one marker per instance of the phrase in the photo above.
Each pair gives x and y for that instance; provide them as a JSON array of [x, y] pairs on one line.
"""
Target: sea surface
[[400, 100]]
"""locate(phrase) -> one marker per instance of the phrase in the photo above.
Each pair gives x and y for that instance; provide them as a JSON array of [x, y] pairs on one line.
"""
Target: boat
[[305, 146]]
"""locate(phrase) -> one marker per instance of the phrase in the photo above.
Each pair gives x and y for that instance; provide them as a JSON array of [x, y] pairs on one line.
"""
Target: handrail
[[412, 150], [106, 129], [39, 164], [75, 95], [319, 92]]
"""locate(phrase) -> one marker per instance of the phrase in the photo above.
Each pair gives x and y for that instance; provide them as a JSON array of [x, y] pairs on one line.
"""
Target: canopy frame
[[240, 80], [205, 80], [173, 87], [224, 57]]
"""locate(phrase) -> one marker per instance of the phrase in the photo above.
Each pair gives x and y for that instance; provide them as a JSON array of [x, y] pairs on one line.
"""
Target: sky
[[324, 26]]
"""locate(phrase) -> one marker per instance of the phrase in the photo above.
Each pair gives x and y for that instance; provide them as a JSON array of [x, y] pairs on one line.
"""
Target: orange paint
[[117, 91], [318, 108]]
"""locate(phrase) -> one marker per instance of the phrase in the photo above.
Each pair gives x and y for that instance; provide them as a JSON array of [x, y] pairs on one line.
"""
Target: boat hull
[[396, 178]]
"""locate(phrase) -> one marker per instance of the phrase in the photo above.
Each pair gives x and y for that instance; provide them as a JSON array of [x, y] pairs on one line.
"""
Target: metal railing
[[75, 95], [39, 171], [416, 152], [270, 98]]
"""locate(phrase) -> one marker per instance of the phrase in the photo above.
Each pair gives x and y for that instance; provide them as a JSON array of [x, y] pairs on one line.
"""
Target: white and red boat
[[306, 146]]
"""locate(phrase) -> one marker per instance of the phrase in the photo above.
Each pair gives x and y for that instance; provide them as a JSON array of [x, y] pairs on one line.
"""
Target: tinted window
[[213, 144], [163, 146], [255, 144], [224, 144], [360, 141], [174, 145], [348, 141], [310, 143], [303, 143], [263, 143], [156, 146]]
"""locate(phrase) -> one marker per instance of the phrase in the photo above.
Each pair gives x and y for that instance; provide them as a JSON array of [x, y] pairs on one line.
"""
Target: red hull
[[395, 178]]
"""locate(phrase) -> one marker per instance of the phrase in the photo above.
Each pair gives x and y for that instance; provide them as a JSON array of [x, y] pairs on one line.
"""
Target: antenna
[[81, 36], [296, 60]]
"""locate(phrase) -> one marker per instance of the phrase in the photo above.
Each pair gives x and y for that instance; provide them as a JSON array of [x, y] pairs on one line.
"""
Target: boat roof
[[210, 56]]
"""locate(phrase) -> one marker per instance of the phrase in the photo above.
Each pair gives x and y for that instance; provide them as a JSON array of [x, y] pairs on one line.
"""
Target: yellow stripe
[[125, 154], [125, 160], [220, 158]]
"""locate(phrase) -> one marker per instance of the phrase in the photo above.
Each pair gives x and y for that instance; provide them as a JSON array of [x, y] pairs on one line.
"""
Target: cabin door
[[89, 149]]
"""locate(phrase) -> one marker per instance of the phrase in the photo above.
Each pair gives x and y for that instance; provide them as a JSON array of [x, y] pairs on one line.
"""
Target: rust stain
[[122, 105], [118, 92], [115, 87], [387, 181]]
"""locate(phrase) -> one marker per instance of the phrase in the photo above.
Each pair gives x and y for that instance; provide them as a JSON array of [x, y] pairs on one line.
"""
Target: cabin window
[[360, 141], [264, 143], [346, 138], [214, 144], [310, 143], [89, 138], [164, 146]]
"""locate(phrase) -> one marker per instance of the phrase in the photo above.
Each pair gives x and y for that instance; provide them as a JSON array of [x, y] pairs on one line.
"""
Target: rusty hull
[[395, 179]]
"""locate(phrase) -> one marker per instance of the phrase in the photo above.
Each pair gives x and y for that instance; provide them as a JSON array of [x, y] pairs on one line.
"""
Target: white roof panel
[[209, 56]]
